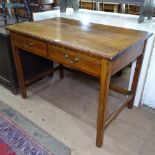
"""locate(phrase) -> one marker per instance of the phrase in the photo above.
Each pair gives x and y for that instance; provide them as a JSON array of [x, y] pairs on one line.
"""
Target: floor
[[67, 108]]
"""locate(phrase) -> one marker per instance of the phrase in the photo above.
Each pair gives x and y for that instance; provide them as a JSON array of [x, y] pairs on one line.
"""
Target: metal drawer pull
[[71, 61], [28, 44]]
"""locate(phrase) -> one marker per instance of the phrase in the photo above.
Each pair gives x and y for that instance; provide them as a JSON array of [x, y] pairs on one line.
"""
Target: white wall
[[149, 89]]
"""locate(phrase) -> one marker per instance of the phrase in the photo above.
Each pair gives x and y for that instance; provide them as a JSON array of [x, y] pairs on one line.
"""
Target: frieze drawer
[[30, 44], [75, 60]]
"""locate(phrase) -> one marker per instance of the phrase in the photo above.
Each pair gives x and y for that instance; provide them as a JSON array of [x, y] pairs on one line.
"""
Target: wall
[[149, 89]]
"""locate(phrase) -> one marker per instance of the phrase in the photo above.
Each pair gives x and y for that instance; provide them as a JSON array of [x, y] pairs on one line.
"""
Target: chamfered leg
[[19, 72], [104, 89], [135, 79]]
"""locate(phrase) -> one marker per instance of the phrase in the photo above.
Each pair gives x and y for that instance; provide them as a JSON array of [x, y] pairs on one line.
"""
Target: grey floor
[[67, 109]]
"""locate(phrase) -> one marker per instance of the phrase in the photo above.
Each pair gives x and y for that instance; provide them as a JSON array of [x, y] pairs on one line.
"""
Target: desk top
[[95, 39]]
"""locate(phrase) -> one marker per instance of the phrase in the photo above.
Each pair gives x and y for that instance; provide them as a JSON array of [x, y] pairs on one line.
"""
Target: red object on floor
[[4, 150]]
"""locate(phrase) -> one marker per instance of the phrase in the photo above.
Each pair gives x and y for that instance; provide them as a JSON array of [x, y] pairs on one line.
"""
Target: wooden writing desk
[[95, 49]]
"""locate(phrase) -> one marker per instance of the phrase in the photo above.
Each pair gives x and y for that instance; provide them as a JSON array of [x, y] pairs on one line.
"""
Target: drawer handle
[[71, 61], [28, 44]]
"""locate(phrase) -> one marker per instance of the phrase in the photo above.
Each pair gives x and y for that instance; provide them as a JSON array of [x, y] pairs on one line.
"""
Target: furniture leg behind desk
[[8, 76]]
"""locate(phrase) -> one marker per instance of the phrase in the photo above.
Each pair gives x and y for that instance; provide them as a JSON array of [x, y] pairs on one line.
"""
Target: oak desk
[[99, 50]]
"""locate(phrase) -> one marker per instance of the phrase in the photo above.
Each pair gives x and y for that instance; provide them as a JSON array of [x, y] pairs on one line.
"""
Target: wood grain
[[135, 80], [93, 39], [127, 57], [75, 60], [29, 44], [104, 90], [19, 71]]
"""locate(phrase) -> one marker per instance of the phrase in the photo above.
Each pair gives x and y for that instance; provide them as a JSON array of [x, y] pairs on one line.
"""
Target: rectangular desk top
[[95, 39]]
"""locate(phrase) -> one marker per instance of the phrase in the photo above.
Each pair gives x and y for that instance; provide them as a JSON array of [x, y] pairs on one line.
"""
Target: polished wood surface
[[93, 39], [127, 57], [95, 49]]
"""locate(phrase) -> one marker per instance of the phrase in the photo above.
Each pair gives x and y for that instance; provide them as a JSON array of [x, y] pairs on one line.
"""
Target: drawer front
[[75, 60], [29, 44]]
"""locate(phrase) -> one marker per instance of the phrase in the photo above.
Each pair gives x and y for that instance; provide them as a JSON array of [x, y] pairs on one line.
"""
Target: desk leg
[[20, 72], [135, 79], [104, 89], [61, 71]]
